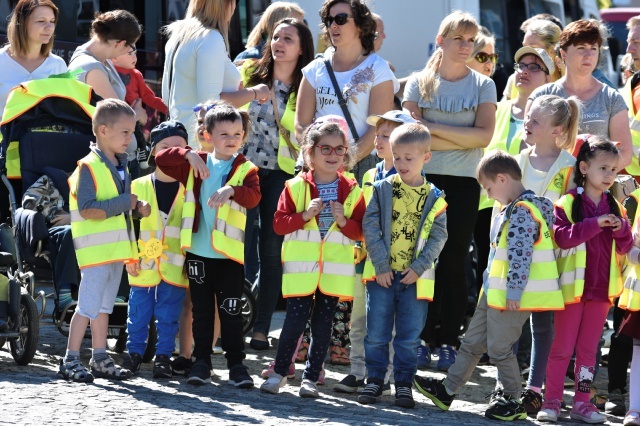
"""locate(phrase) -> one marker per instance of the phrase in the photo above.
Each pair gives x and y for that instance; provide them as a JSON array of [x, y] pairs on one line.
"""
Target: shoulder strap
[[341, 101], [293, 152]]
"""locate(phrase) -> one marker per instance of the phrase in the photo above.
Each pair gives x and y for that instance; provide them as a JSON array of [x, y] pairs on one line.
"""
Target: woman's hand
[[262, 93], [200, 169], [220, 197]]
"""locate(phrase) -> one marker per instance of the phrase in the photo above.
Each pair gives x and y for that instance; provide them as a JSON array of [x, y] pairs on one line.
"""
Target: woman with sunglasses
[[458, 105], [484, 58], [604, 111]]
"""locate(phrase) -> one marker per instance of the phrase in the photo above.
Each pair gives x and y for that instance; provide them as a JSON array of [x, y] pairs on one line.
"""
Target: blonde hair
[[17, 28], [455, 23], [633, 21], [565, 113], [270, 17], [109, 111], [202, 16], [411, 133], [549, 33]]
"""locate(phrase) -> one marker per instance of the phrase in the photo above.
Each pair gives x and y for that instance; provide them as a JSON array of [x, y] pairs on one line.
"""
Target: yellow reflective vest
[[160, 246], [634, 125], [572, 263], [99, 242], [542, 291], [310, 262], [630, 297]]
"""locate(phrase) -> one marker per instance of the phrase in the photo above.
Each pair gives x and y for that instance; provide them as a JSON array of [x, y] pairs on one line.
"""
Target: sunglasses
[[483, 57], [533, 67], [339, 19], [340, 150]]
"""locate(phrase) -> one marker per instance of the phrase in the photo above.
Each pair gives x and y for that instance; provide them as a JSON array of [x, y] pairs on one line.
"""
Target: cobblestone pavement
[[35, 395]]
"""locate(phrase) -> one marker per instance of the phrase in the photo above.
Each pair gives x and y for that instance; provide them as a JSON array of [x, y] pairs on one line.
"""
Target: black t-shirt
[[165, 194]]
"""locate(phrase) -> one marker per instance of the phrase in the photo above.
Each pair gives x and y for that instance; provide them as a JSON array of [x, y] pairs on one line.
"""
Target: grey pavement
[[34, 394]]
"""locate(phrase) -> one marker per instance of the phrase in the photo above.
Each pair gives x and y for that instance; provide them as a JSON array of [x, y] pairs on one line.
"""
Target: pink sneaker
[[587, 412], [268, 372], [549, 411]]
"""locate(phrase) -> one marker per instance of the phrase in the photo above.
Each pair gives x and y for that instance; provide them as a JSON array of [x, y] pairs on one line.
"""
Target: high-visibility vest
[[227, 236], [630, 297], [634, 126], [572, 263], [558, 186], [542, 291], [160, 246], [28, 94], [310, 262], [99, 242], [425, 282]]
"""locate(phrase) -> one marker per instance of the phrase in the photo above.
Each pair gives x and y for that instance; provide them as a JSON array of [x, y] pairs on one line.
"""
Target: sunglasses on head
[[327, 149], [339, 19], [533, 67], [483, 57]]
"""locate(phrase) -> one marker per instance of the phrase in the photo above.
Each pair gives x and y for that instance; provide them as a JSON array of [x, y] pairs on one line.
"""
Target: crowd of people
[[368, 194]]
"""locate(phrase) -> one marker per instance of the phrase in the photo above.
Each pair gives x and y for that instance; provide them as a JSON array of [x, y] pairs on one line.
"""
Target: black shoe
[[371, 392], [532, 401], [349, 384], [181, 366], [386, 389], [404, 396], [162, 367], [505, 408], [200, 373], [132, 362], [615, 404], [435, 391], [259, 345], [484, 360], [239, 377]]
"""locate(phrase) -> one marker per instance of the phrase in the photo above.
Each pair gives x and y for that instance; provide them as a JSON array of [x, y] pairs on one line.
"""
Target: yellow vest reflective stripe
[[634, 125], [169, 263], [572, 263], [426, 281], [99, 242], [630, 297], [228, 231], [188, 213], [542, 291], [367, 191], [308, 261]]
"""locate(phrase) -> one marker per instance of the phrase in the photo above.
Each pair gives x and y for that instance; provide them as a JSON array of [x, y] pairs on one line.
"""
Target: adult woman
[[259, 35], [274, 151], [365, 80], [604, 110], [458, 105], [484, 58], [197, 65]]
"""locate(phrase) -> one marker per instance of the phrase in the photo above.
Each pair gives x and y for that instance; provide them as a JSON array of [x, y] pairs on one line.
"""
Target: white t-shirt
[[356, 87], [13, 73]]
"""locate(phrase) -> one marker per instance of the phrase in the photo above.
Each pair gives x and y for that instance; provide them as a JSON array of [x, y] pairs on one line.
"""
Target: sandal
[[632, 418], [339, 356], [74, 370], [303, 350], [107, 369]]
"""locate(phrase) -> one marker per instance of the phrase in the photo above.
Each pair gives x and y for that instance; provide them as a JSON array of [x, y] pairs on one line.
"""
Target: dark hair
[[362, 17], [498, 162], [223, 111], [116, 25], [17, 27], [263, 71], [579, 32], [588, 151]]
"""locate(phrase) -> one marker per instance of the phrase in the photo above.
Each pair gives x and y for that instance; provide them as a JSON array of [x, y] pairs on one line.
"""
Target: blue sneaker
[[447, 357], [424, 357]]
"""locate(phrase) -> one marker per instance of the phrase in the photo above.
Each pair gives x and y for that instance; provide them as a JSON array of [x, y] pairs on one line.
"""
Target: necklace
[[352, 65]]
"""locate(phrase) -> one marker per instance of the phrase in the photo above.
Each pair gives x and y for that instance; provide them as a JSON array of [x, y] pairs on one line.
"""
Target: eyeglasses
[[340, 150], [339, 19], [533, 67], [483, 57]]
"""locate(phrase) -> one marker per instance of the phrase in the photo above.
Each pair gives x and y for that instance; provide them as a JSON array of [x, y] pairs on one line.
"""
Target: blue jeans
[[165, 303], [385, 306]]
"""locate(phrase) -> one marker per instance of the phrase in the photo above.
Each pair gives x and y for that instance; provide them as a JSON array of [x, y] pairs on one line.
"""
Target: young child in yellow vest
[[405, 228], [320, 214], [591, 231], [100, 205], [157, 279], [225, 185], [521, 277], [384, 125]]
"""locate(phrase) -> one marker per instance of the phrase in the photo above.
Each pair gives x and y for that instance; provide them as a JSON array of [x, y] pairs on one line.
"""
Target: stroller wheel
[[24, 347]]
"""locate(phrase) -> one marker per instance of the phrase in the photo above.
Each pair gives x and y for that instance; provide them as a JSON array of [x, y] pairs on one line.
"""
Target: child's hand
[[385, 279], [144, 208], [141, 113], [616, 222], [604, 220], [337, 210], [133, 268], [61, 219], [263, 94], [134, 201], [220, 197], [513, 305], [315, 206], [200, 168], [410, 276]]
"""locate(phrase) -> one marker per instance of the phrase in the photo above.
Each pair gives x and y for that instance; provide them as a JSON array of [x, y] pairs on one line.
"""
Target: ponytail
[[427, 80], [565, 113]]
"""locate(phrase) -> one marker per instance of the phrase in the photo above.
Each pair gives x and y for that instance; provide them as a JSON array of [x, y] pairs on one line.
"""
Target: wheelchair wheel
[[24, 347], [249, 309]]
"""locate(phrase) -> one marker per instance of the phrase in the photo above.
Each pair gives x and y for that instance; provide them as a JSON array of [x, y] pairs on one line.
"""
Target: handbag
[[293, 151], [341, 101], [623, 186]]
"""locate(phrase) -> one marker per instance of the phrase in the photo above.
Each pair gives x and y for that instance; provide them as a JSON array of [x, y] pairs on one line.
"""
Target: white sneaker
[[588, 413], [308, 389], [273, 384], [632, 419], [547, 415]]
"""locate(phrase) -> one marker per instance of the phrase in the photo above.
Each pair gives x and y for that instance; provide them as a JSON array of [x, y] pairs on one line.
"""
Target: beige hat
[[540, 53]]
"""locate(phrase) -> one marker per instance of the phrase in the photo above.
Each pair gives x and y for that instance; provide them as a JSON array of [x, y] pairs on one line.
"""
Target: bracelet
[[255, 94]]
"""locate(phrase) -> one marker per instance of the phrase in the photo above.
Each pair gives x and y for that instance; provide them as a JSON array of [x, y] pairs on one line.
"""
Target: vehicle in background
[[616, 19]]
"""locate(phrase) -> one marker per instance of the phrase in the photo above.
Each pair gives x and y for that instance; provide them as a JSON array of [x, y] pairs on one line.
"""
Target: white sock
[[634, 378]]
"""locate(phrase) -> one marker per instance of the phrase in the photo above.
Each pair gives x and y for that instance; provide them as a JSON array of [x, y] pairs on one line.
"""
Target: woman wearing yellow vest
[[225, 185], [590, 229], [157, 279], [320, 214]]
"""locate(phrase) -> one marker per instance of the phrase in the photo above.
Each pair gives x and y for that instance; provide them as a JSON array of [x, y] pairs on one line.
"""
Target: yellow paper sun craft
[[152, 249]]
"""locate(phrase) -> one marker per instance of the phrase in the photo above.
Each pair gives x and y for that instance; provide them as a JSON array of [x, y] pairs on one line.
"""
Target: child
[[384, 126], [405, 230], [157, 280], [320, 213], [521, 277], [590, 225], [225, 185], [100, 202]]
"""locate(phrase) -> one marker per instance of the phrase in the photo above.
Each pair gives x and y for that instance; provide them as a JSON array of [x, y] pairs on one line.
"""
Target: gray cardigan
[[376, 225]]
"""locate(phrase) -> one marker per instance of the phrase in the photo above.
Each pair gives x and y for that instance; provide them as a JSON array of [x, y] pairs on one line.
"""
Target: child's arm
[[622, 234], [147, 95], [90, 208], [372, 229], [521, 235], [286, 219], [433, 247], [568, 235], [177, 163], [248, 194]]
